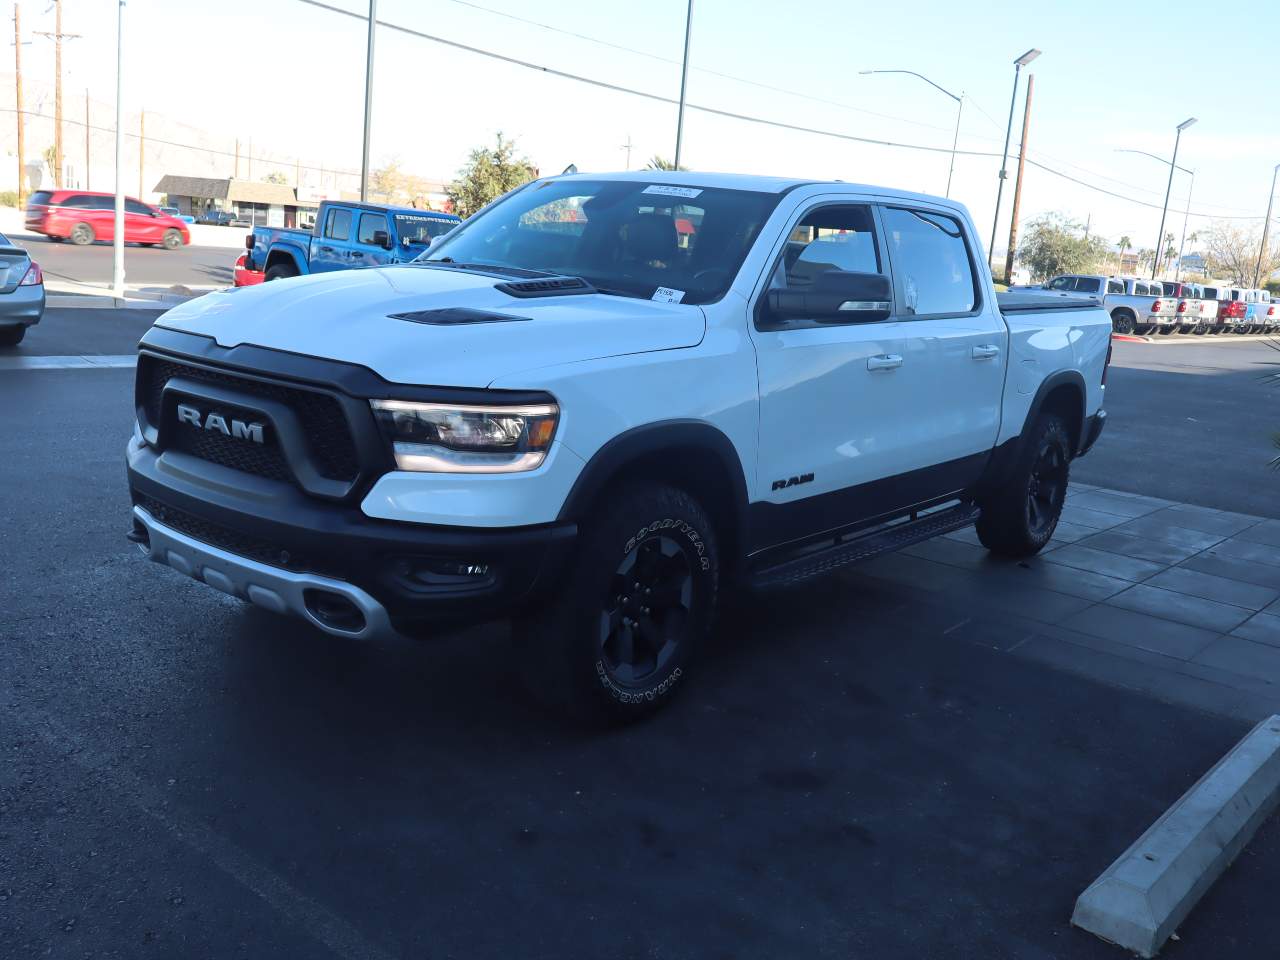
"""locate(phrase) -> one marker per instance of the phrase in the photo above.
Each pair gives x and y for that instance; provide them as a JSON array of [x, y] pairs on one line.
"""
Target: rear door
[[329, 250], [100, 213], [140, 224], [956, 345]]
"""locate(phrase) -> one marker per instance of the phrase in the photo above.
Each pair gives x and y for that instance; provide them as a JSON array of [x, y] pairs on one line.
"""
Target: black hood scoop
[[455, 316]]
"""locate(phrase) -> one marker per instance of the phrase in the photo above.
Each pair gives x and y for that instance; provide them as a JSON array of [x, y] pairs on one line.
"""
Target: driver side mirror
[[382, 239], [836, 296]]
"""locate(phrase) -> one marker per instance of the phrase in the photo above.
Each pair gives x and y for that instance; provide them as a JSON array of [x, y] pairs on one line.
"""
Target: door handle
[[985, 351], [326, 249], [886, 361]]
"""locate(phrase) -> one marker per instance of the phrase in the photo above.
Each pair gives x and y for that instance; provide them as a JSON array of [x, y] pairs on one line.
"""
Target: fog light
[[439, 571]]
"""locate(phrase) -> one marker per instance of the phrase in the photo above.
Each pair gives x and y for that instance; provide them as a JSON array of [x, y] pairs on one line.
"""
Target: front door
[[833, 396], [366, 253], [330, 250]]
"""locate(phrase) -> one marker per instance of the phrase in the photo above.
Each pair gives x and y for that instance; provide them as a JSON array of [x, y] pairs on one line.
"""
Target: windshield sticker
[[667, 190], [667, 295]]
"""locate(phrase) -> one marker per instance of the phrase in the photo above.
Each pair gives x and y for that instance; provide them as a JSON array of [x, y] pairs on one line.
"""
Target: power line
[[729, 114]]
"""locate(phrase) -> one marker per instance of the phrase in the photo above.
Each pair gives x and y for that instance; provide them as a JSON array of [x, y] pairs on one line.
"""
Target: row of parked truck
[[1165, 307]]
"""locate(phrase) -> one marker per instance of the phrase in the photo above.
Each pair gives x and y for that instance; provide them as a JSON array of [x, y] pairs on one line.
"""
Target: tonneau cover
[[1016, 301]]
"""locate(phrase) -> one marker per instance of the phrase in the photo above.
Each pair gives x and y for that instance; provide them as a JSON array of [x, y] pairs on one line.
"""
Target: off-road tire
[[1018, 519], [648, 557], [280, 271]]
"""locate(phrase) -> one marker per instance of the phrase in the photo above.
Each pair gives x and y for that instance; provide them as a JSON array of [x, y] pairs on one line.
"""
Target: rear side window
[[338, 224], [371, 223], [76, 200], [40, 197], [99, 203], [931, 261]]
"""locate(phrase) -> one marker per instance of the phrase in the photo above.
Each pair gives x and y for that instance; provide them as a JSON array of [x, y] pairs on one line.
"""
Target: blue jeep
[[346, 235]]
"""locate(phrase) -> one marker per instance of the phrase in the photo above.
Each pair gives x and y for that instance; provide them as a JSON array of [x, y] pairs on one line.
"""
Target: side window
[[76, 200], [370, 223], [338, 224], [102, 203], [133, 206], [932, 263], [1061, 283], [1141, 290], [829, 238], [1115, 286], [1088, 284]]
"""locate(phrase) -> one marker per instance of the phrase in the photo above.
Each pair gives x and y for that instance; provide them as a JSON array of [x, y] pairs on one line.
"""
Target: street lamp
[[684, 80], [117, 241], [1186, 214], [1266, 228], [1155, 263], [959, 111], [1018, 64]]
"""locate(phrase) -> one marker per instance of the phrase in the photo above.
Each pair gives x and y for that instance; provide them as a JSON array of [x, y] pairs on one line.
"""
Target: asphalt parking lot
[[889, 763]]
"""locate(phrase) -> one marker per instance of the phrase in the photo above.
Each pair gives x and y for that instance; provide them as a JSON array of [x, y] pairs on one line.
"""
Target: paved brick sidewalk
[[1179, 601]]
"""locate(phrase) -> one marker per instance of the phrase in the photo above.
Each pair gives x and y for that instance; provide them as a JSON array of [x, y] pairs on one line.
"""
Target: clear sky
[[1113, 75]]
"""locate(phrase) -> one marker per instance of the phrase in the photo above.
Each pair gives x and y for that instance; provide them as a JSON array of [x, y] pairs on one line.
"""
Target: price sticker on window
[[667, 295]]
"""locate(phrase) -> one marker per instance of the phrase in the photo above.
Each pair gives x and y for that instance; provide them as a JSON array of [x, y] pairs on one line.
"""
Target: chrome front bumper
[[304, 595]]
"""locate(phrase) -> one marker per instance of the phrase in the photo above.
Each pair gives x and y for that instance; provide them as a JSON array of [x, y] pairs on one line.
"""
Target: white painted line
[[1140, 899], [86, 362]]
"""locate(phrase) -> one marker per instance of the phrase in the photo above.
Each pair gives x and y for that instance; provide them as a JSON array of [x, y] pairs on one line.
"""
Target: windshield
[[684, 244], [414, 228]]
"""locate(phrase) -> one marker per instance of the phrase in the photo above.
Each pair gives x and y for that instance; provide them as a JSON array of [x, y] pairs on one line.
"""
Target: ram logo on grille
[[216, 421]]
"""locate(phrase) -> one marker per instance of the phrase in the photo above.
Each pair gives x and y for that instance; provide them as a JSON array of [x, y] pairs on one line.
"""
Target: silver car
[[21, 293]]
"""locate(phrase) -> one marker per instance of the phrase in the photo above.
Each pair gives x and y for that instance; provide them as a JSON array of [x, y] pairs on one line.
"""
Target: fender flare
[[654, 438], [292, 252], [1007, 454]]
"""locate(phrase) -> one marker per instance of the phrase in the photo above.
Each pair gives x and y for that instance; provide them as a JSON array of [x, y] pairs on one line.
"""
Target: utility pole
[[1018, 64], [236, 175], [142, 149], [88, 132], [1017, 187], [627, 147], [1266, 229], [1088, 224], [58, 37], [1186, 215], [1164, 212], [684, 78], [368, 101], [17, 66], [117, 237], [249, 159]]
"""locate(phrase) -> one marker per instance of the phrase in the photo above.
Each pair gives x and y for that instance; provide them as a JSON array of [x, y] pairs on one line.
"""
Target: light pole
[[1155, 265], [117, 237], [1266, 229], [1018, 64], [1186, 214], [959, 111], [684, 79], [368, 103]]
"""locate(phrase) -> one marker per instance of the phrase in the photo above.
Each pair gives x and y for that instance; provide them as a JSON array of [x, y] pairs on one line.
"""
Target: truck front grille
[[331, 446]]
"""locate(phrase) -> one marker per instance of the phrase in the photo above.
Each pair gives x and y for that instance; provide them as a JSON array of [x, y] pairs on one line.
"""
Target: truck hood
[[345, 316]]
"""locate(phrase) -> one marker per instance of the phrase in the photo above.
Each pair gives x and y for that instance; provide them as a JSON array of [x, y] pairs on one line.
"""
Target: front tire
[[1018, 519], [618, 639], [11, 336], [81, 235], [172, 239]]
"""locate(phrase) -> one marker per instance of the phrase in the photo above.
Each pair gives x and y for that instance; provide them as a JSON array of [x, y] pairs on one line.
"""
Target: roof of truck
[[746, 181]]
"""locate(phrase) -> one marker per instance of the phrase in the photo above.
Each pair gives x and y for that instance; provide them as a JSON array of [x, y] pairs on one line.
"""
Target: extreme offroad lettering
[[793, 481]]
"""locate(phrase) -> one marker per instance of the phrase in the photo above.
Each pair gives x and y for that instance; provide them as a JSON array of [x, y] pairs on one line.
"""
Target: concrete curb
[[1185, 338], [73, 302], [1140, 899]]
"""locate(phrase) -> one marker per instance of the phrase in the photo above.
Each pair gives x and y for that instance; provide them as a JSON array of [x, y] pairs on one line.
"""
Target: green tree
[[657, 162], [488, 174], [1231, 252], [1126, 242], [1053, 244], [275, 176]]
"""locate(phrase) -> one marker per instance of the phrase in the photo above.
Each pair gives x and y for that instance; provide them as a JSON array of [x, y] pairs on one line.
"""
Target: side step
[[817, 563]]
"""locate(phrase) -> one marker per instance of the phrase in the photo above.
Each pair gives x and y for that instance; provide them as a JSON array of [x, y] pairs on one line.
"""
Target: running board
[[817, 563]]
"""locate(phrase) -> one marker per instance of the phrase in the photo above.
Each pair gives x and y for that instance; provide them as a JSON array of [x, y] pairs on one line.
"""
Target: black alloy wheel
[[1047, 489], [648, 610]]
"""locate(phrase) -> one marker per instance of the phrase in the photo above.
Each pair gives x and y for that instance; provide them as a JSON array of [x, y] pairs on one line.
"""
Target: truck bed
[[1035, 301]]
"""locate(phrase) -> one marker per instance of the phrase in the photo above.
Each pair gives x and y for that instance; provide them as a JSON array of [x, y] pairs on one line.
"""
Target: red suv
[[83, 217]]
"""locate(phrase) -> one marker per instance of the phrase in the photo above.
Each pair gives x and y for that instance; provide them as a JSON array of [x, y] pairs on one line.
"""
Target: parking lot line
[[87, 362]]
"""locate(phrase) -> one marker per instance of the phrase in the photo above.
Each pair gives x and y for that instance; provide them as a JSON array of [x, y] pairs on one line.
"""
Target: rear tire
[[82, 235], [1018, 519], [638, 598], [172, 239], [11, 336], [1122, 323], [280, 271]]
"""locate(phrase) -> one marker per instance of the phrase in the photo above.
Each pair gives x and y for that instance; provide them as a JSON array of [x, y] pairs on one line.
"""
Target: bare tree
[[1231, 252]]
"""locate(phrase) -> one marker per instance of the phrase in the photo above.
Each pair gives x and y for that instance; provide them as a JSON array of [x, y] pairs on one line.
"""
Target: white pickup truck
[[598, 405], [1135, 306]]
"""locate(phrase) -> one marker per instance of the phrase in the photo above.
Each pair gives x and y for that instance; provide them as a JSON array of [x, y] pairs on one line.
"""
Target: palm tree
[[1125, 243], [657, 162]]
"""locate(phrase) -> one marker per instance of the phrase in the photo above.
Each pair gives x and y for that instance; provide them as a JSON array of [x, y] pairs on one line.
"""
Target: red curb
[[1130, 339]]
